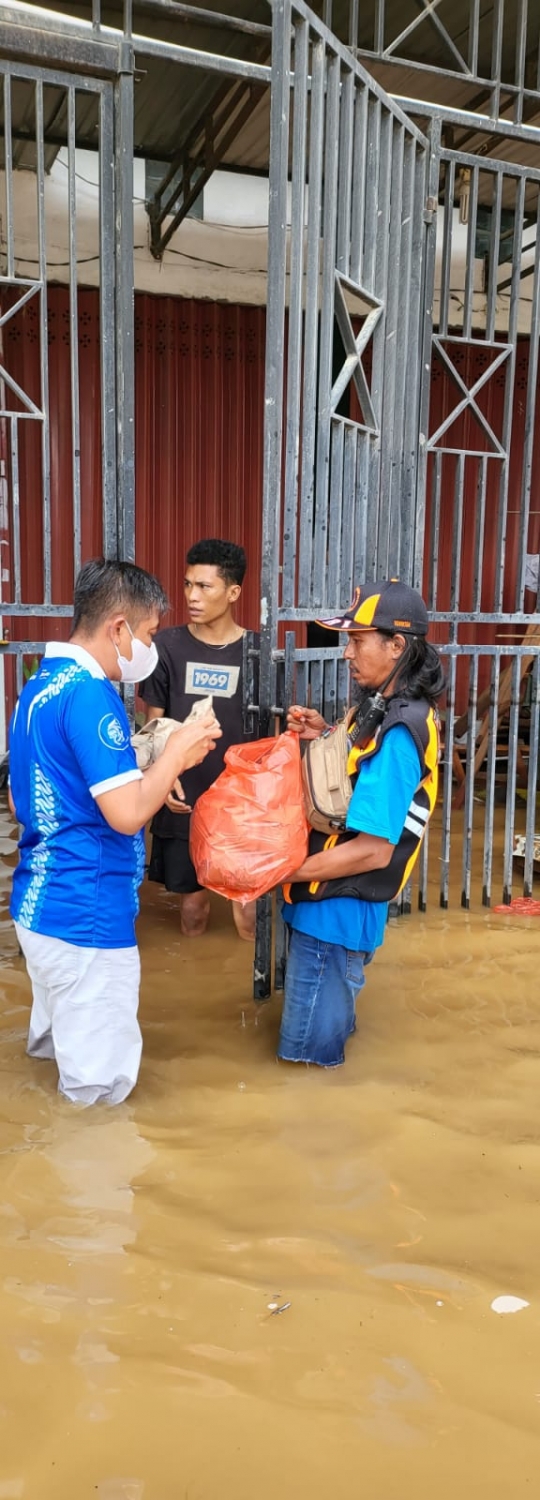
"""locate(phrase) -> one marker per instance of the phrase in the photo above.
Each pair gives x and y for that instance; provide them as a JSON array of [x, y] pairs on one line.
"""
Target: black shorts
[[170, 865]]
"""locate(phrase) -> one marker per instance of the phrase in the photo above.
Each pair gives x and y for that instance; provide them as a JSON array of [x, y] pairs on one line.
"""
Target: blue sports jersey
[[379, 805], [70, 741]]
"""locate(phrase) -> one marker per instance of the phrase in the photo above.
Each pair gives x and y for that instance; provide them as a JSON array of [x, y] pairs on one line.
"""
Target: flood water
[[389, 1203]]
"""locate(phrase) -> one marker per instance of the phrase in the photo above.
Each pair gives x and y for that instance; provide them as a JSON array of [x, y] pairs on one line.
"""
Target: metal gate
[[367, 472], [40, 104], [345, 411]]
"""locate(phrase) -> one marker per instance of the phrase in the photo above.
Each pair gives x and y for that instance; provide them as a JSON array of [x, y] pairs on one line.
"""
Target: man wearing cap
[[336, 904]]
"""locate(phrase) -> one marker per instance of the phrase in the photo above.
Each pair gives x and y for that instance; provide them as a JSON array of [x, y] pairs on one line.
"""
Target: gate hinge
[[430, 210]]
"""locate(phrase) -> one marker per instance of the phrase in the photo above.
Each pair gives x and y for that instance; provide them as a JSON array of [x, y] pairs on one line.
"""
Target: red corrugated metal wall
[[199, 429], [199, 423], [471, 362]]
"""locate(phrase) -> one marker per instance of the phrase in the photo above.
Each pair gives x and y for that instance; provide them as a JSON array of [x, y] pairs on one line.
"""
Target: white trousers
[[84, 1015]]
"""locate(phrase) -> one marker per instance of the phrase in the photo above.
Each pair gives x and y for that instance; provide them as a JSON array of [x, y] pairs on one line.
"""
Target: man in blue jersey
[[336, 904], [82, 803]]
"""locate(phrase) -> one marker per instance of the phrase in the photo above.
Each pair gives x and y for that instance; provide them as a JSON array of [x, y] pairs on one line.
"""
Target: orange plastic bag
[[249, 830]]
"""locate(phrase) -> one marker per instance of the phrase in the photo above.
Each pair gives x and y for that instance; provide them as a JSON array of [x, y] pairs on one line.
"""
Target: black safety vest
[[384, 885]]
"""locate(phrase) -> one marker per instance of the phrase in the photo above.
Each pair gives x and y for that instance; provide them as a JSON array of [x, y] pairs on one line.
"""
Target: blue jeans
[[321, 985]]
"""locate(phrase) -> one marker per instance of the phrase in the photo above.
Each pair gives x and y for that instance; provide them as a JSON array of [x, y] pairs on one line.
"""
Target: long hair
[[422, 674]]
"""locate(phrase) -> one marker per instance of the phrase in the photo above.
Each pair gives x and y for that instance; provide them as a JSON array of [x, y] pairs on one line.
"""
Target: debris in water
[[278, 1310], [521, 906], [508, 1304]]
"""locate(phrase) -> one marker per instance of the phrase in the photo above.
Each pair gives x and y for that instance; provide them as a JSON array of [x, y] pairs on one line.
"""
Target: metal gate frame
[[47, 48], [396, 495], [108, 79], [363, 227]]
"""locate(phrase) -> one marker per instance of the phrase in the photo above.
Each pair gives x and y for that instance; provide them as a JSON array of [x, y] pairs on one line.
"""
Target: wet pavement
[[389, 1203]]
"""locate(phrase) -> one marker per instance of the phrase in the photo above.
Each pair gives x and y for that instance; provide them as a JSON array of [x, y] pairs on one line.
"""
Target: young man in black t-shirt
[[202, 657]]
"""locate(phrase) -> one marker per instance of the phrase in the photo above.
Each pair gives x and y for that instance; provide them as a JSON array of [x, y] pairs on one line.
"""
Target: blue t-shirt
[[379, 805], [70, 741]]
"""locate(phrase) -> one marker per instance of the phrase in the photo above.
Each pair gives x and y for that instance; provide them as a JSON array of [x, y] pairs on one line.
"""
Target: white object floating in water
[[508, 1304]]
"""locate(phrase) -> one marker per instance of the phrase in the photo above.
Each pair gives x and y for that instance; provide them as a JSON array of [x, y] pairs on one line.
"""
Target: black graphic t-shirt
[[189, 669]]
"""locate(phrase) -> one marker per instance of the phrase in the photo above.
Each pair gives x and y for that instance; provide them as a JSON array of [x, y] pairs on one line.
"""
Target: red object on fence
[[523, 906]]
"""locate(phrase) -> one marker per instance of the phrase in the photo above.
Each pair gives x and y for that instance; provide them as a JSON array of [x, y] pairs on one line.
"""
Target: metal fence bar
[[410, 497], [468, 814], [493, 261], [58, 76], [373, 156], [330, 674], [401, 550], [452, 617], [496, 57], [353, 25], [457, 529], [532, 782], [466, 119], [490, 781], [382, 249], [521, 58], [387, 559], [471, 243], [296, 284], [332, 580], [435, 529], [356, 466], [280, 927], [316, 677], [8, 178], [474, 23], [511, 781], [15, 512], [311, 330], [326, 333], [124, 309], [74, 334], [509, 398], [280, 948], [489, 164], [449, 191], [273, 423], [358, 183], [426, 341], [348, 91], [423, 873], [529, 435], [447, 783], [107, 326], [195, 57], [480, 531], [379, 19], [44, 343]]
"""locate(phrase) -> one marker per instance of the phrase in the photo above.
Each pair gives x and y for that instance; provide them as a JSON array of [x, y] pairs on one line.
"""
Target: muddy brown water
[[389, 1203]]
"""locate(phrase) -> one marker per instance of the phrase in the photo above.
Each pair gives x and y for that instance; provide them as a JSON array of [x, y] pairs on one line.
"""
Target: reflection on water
[[389, 1203]]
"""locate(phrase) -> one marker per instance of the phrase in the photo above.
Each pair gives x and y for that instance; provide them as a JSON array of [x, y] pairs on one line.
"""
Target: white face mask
[[144, 660]]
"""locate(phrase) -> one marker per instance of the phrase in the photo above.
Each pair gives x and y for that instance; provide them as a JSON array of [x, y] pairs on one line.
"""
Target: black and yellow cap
[[383, 606]]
